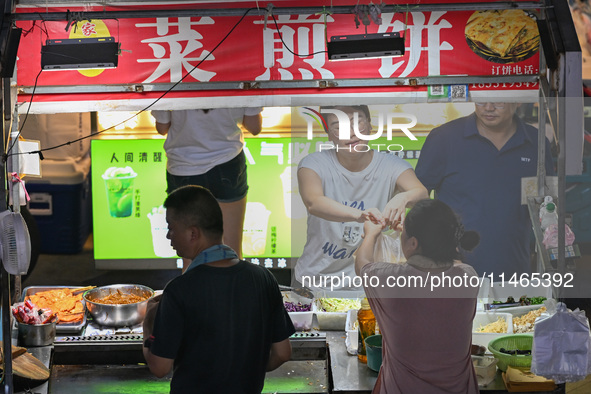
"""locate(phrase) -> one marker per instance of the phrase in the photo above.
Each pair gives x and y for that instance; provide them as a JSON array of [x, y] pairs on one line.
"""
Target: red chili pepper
[[22, 313], [15, 313]]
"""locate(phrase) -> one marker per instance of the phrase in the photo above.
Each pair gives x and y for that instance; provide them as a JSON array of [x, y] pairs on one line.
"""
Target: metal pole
[[6, 333], [4, 278]]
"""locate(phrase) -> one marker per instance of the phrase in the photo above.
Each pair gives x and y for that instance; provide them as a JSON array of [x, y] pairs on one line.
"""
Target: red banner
[[289, 48]]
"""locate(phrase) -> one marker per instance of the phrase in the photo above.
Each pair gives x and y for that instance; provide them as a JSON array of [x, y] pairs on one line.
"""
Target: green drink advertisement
[[129, 187]]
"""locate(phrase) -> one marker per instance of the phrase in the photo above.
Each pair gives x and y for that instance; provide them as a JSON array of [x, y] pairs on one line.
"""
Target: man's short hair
[[357, 108], [196, 206]]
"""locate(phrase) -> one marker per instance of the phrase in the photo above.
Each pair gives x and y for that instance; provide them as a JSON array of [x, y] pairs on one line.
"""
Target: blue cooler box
[[60, 202]]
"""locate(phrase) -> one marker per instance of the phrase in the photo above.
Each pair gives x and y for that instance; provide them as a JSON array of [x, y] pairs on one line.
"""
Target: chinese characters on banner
[[164, 50]]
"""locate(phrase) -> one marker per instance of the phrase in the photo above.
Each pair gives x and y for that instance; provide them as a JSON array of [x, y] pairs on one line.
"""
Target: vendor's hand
[[151, 309], [395, 211], [372, 229], [373, 215]]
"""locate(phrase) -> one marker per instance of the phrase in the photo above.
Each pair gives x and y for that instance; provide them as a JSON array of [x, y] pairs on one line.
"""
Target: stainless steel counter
[[291, 377], [347, 373], [78, 367]]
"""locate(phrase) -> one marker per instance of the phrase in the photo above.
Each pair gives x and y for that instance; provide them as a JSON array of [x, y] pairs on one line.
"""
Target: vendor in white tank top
[[341, 188]]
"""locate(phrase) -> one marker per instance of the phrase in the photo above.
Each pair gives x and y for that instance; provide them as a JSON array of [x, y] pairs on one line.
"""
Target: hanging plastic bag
[[562, 346], [388, 247], [551, 236]]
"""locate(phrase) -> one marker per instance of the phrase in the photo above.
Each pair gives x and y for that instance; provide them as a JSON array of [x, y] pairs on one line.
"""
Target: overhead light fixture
[[363, 46], [76, 53]]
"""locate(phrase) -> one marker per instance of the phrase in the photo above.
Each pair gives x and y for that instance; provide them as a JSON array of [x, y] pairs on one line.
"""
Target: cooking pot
[[118, 315]]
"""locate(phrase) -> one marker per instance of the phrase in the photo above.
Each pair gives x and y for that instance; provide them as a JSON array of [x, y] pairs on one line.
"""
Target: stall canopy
[[271, 54]]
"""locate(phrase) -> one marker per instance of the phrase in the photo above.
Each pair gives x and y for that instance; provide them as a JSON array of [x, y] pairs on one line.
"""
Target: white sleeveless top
[[330, 245]]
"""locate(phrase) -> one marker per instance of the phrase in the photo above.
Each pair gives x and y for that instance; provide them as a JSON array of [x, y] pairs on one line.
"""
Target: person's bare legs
[[233, 213]]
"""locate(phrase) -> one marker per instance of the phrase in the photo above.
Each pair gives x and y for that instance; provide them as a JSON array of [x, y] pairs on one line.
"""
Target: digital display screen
[[129, 187]]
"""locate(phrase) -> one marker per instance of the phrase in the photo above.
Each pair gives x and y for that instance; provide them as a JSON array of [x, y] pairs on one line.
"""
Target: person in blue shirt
[[475, 165]]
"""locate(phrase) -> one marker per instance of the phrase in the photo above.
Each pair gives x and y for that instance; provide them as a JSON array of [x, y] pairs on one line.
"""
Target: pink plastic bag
[[551, 236]]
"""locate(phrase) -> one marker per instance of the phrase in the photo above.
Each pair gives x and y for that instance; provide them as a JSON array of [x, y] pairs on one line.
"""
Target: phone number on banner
[[536, 279]]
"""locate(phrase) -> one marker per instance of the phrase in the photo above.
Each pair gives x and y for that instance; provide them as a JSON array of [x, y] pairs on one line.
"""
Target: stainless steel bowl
[[117, 315]]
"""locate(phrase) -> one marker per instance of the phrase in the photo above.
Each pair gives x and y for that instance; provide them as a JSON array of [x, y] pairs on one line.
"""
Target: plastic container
[[332, 320], [373, 348], [548, 216], [367, 328], [302, 321], [30, 335], [351, 332], [485, 368], [512, 342], [61, 204], [484, 318]]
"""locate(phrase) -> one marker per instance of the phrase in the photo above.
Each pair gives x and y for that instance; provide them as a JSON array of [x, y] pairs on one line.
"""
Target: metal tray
[[70, 328]]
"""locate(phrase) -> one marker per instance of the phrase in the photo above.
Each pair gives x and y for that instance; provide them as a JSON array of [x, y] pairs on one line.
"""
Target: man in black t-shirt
[[222, 323]]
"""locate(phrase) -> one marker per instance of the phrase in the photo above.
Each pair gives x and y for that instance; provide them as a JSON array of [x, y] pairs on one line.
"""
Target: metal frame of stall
[[560, 95], [561, 101]]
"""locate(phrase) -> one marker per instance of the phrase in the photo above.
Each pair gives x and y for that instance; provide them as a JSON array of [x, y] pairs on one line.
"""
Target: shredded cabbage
[[338, 304]]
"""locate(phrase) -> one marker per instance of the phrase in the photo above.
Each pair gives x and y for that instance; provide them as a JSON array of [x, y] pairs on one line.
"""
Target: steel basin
[[117, 315]]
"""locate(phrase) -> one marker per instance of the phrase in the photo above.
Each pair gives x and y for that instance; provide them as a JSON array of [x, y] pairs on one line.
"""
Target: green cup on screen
[[119, 185]]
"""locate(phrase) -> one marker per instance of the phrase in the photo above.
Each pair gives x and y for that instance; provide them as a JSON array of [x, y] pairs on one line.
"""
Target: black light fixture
[[360, 46], [76, 53], [9, 40]]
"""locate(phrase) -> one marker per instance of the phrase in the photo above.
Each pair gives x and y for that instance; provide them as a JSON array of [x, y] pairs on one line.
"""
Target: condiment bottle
[[549, 216], [367, 327], [547, 200]]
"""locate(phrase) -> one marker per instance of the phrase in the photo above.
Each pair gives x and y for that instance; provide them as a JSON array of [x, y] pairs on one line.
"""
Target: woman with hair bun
[[424, 306]]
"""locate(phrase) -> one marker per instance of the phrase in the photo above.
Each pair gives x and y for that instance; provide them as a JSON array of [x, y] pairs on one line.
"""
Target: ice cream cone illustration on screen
[[254, 238]]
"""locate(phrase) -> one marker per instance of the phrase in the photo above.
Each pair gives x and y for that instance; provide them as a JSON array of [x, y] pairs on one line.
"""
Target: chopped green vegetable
[[523, 300]]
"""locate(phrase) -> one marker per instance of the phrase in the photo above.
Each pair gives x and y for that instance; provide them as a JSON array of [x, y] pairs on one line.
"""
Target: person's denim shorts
[[227, 181]]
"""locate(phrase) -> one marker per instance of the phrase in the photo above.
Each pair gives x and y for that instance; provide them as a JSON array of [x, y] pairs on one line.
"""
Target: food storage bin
[[302, 321], [334, 320], [484, 318]]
